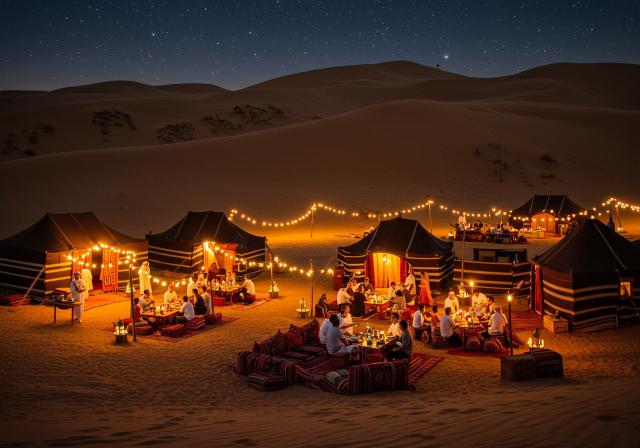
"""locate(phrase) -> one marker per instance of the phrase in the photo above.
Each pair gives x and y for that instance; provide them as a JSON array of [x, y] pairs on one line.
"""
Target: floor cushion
[[195, 324], [339, 360], [386, 376], [300, 356], [492, 345], [371, 357], [272, 346], [174, 330], [438, 341], [144, 330], [218, 301], [302, 375], [311, 349], [267, 381], [252, 362], [473, 343], [212, 319], [338, 379], [310, 331], [293, 338]]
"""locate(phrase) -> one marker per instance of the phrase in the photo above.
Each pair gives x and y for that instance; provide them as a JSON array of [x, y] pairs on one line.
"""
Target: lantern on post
[[510, 330]]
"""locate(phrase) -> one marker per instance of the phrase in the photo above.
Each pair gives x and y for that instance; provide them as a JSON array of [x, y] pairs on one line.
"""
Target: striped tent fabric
[[180, 248], [580, 277], [492, 278], [408, 240], [51, 245]]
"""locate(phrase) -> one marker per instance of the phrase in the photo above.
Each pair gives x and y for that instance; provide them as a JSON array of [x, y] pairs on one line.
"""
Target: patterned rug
[[526, 320], [104, 299], [240, 307], [188, 334]]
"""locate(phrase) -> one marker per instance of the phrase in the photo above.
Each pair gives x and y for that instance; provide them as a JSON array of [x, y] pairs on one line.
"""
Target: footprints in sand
[[245, 442], [465, 411], [608, 418]]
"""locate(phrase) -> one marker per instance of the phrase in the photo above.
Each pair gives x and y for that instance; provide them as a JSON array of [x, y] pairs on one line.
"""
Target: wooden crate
[[560, 325], [518, 367]]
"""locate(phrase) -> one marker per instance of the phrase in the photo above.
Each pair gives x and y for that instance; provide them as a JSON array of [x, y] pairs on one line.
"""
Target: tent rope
[[65, 236], [195, 238], [611, 248]]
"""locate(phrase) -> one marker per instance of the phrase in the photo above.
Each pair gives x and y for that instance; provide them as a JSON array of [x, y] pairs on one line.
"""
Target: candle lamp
[[120, 332]]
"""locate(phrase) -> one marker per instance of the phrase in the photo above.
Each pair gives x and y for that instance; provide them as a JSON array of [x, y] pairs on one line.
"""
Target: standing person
[[447, 325], [191, 286], [425, 290], [170, 296], [248, 288], [408, 298], [418, 319], [410, 283], [405, 349], [462, 222], [187, 311], [452, 302], [208, 304], [87, 278], [78, 287], [358, 302], [145, 276]]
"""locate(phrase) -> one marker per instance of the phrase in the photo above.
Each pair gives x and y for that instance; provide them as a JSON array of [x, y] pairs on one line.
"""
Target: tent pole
[[133, 317], [618, 213], [464, 237], [311, 263]]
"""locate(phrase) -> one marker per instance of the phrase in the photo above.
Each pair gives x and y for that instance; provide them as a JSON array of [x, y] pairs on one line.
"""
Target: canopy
[[561, 206]]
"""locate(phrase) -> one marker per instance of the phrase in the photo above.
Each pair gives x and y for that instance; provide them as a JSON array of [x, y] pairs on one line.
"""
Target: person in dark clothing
[[199, 305], [322, 307], [357, 308]]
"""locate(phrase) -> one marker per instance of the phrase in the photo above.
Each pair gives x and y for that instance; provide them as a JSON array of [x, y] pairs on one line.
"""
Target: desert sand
[[374, 139]]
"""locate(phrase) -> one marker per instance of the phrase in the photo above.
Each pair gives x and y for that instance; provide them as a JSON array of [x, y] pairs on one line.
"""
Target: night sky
[[57, 43]]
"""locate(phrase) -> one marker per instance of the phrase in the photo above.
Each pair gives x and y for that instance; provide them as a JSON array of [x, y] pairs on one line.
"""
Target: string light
[[315, 207]]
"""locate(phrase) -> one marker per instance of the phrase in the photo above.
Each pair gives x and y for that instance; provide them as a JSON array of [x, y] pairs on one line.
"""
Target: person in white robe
[[190, 287], [479, 302], [87, 278], [452, 302], [170, 296], [78, 287], [391, 292], [410, 283], [394, 328], [145, 277]]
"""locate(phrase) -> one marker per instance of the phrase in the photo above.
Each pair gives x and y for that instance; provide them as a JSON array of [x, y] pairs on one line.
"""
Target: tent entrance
[[218, 256], [382, 269], [546, 221]]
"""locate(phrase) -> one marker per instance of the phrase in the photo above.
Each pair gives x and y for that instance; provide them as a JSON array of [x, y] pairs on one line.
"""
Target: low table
[[369, 305], [303, 314], [225, 293], [63, 306], [162, 320]]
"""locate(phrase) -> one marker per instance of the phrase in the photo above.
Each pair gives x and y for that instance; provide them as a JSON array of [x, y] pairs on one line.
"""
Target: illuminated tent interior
[[202, 239], [386, 254], [65, 243], [548, 212], [582, 276]]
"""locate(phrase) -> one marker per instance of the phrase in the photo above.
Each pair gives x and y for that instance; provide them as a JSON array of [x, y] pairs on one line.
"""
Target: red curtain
[[403, 270], [369, 270]]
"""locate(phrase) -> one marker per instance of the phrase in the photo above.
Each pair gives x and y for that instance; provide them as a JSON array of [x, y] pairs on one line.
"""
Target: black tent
[[202, 238], [405, 239], [547, 211], [62, 243], [581, 277]]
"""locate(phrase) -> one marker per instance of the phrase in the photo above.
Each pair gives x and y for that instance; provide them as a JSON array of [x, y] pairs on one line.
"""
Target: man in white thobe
[[170, 296], [87, 278], [452, 302], [145, 277], [190, 287], [410, 283], [78, 288]]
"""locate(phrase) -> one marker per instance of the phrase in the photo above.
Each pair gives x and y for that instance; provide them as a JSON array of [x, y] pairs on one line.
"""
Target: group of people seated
[[479, 225]]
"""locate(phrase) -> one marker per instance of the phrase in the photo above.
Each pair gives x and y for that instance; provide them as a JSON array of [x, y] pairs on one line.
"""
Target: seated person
[[408, 298], [496, 326], [505, 228], [187, 311], [170, 296], [324, 328], [367, 287], [322, 307], [418, 319], [435, 321], [452, 302], [343, 296], [447, 325], [394, 328], [491, 305], [336, 343], [399, 303], [248, 288], [230, 279], [479, 302], [391, 292], [146, 301], [208, 304], [478, 225], [405, 349], [137, 313], [199, 306], [358, 302], [346, 322]]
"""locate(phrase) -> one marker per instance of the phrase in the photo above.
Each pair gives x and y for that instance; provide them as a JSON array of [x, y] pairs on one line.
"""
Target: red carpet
[[240, 307], [188, 334], [105, 299], [464, 352], [526, 320]]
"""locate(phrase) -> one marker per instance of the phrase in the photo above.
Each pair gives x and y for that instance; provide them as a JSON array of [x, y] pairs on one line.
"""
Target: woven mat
[[159, 337], [461, 351], [104, 299], [240, 307]]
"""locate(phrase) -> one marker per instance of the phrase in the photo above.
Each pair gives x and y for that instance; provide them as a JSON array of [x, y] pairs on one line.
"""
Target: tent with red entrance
[[547, 212], [584, 276], [60, 244], [386, 254]]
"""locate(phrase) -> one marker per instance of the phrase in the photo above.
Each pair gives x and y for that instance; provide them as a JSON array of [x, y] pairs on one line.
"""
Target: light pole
[[133, 316], [510, 330]]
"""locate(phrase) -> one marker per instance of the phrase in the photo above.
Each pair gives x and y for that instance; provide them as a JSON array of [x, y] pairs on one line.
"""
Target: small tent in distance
[[548, 212], [61, 244], [202, 239], [585, 274], [395, 245]]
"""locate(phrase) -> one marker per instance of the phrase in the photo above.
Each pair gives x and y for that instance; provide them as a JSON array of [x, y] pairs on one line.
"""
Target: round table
[[303, 314]]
